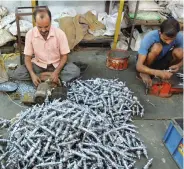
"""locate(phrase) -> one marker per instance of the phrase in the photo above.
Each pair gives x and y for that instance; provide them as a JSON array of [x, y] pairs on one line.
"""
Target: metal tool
[[43, 90], [147, 89], [151, 103], [164, 88]]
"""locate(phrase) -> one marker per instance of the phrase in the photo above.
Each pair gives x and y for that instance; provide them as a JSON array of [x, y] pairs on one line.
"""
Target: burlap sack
[[73, 30], [92, 21], [3, 74], [76, 28]]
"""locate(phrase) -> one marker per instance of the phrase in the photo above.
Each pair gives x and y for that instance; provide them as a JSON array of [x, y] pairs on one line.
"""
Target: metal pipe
[[19, 36], [34, 3], [118, 23]]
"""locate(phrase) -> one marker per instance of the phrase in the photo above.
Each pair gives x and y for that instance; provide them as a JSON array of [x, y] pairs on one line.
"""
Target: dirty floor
[[151, 127]]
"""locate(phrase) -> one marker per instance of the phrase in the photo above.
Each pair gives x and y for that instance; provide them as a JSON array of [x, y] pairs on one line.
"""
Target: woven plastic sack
[[64, 13], [5, 37], [146, 16], [7, 20], [25, 26], [3, 11]]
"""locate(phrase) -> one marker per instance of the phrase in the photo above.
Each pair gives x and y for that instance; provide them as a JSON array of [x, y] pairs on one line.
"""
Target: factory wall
[[56, 6]]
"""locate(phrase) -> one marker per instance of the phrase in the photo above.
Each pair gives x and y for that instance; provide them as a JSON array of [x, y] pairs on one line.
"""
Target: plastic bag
[[65, 12], [122, 45], [110, 23], [136, 43], [3, 11], [135, 33], [25, 26], [7, 20], [146, 28], [5, 37], [101, 17], [178, 11]]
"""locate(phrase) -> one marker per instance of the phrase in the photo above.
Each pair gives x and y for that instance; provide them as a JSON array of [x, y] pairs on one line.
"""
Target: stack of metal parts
[[70, 135], [180, 75], [106, 96]]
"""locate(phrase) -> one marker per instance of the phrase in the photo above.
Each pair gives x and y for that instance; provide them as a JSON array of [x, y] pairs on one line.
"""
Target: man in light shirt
[[49, 46]]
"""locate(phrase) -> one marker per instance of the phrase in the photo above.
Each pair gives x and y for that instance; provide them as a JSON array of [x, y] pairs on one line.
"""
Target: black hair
[[38, 10], [170, 27]]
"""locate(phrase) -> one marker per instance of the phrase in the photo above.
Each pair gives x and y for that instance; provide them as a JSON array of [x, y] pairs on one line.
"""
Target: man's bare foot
[[146, 79]]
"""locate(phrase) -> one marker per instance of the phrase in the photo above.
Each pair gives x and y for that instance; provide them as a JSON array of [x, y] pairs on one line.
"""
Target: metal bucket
[[117, 59]]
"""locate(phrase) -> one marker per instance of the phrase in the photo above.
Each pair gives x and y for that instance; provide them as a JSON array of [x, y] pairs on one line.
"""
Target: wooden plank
[[101, 39]]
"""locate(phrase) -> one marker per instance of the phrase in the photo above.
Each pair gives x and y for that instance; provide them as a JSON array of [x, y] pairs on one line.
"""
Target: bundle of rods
[[92, 129]]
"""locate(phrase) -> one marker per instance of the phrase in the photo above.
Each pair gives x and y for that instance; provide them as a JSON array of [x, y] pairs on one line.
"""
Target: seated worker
[[160, 50], [50, 48]]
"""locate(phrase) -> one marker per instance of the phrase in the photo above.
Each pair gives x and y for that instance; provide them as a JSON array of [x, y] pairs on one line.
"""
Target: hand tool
[[46, 89], [147, 89], [163, 88]]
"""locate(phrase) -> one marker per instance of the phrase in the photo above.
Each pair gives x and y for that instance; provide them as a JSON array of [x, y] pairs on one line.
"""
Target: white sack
[[123, 45], [3, 11], [5, 37], [65, 12], [25, 26], [7, 20], [110, 22]]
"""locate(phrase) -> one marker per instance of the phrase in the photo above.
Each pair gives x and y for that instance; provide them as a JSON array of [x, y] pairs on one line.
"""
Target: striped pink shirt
[[46, 51]]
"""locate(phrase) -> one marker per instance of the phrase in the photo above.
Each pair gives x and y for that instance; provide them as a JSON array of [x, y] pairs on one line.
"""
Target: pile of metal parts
[[106, 96], [93, 134], [180, 75]]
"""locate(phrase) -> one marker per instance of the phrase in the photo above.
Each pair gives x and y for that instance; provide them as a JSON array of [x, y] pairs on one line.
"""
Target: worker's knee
[[177, 53], [75, 71], [70, 71], [156, 49], [21, 73]]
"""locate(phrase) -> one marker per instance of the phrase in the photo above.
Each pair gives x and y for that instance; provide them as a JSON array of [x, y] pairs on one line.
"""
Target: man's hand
[[36, 80], [54, 77], [163, 74], [174, 68]]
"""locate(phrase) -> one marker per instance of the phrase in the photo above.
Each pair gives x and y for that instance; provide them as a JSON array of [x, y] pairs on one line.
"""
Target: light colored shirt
[[153, 37], [47, 51]]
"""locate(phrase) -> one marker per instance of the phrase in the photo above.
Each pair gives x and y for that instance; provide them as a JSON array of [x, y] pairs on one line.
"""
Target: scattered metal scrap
[[4, 123], [95, 134], [24, 88], [180, 75]]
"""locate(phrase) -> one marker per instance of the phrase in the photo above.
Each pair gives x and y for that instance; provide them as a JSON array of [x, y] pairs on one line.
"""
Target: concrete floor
[[151, 127]]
